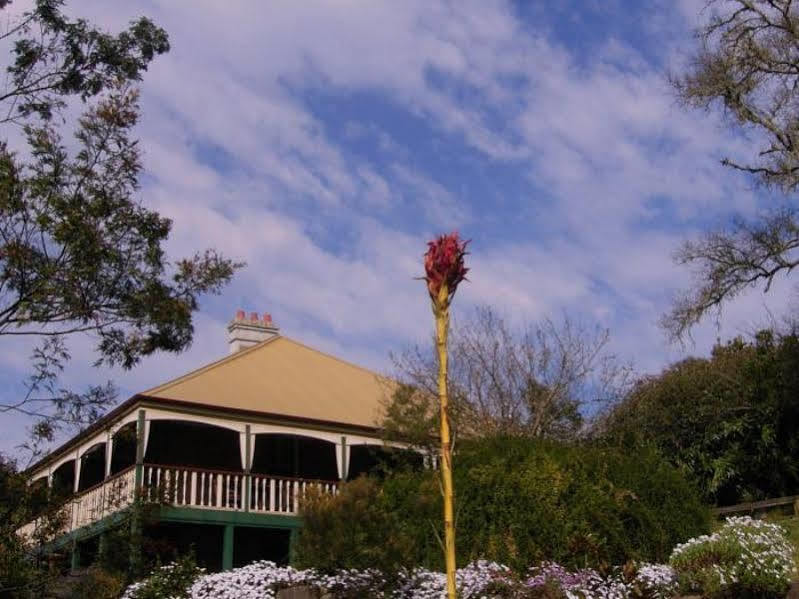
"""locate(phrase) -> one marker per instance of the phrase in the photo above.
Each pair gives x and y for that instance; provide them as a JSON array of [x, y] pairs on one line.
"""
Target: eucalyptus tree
[[79, 250]]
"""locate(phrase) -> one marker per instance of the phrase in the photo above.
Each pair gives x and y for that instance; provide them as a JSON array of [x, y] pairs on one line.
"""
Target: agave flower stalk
[[444, 270]]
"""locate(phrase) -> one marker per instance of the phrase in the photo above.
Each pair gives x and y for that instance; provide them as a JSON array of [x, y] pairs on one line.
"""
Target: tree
[[731, 421], [747, 65], [79, 253], [538, 380]]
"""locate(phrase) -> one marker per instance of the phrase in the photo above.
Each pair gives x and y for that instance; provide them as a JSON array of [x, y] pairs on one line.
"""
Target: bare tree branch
[[541, 380], [726, 263], [748, 63]]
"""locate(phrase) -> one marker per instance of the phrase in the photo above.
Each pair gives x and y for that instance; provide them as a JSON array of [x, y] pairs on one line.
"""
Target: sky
[[325, 142]]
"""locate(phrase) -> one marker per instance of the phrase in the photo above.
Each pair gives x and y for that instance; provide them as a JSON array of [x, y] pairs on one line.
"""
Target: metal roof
[[281, 376]]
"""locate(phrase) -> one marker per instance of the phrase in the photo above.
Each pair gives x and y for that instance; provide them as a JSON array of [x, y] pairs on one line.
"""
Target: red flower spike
[[443, 264]]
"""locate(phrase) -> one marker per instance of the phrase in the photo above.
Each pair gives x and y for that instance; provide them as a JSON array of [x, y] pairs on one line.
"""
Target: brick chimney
[[244, 331]]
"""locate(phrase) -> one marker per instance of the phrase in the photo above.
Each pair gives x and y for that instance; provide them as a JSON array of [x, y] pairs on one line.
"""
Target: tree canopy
[[79, 250], [730, 421]]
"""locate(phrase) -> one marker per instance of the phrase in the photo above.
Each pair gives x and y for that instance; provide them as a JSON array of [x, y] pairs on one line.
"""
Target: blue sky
[[325, 142]]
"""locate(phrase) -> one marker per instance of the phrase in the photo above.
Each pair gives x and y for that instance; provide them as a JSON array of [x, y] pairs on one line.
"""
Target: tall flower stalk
[[444, 270]]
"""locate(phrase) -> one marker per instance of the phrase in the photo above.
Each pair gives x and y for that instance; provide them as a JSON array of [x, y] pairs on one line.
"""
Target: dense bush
[[744, 558], [98, 584], [730, 421], [518, 502], [361, 514]]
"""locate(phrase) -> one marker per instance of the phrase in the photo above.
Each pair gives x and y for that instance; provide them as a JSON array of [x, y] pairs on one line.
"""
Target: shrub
[[518, 502], [98, 584], [744, 558], [172, 580], [341, 531], [523, 501], [116, 547]]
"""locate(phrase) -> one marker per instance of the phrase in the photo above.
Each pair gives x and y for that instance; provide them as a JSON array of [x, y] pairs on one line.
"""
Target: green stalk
[[441, 312]]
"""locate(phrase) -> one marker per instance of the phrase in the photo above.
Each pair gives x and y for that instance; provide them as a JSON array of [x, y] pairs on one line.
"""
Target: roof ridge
[[202, 369]]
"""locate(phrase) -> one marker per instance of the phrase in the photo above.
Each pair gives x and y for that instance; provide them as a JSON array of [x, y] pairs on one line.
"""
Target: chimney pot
[[250, 329]]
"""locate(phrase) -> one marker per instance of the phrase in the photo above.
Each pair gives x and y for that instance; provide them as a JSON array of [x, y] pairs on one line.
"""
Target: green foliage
[[116, 548], [745, 558], [343, 529], [523, 502], [172, 580], [26, 570], [731, 422], [55, 57], [22, 571], [518, 502], [19, 578]]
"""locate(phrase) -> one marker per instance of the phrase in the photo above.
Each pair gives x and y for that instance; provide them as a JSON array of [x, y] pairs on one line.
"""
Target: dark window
[[92, 467], [251, 544], [295, 456], [124, 450], [64, 479], [166, 541], [192, 444]]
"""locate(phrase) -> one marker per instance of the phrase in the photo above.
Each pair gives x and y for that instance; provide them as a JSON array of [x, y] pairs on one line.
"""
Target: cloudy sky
[[325, 142]]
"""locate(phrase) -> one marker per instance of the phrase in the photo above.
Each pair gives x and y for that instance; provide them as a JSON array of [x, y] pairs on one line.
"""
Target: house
[[222, 453]]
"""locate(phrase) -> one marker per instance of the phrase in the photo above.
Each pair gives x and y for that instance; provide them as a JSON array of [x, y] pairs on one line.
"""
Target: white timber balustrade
[[106, 498], [185, 487], [93, 504], [280, 495], [221, 490]]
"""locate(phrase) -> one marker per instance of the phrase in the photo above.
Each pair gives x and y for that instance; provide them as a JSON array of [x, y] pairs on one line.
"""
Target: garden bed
[[744, 558]]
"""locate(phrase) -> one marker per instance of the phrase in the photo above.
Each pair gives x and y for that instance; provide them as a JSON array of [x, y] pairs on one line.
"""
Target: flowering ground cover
[[744, 558], [262, 580]]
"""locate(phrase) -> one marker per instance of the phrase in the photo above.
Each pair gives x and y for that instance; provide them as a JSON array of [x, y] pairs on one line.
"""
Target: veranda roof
[[286, 378]]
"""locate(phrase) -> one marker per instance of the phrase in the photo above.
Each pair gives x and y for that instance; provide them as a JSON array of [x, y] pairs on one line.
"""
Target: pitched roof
[[283, 377]]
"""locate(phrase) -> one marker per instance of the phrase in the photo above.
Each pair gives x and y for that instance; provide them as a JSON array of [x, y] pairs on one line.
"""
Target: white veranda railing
[[222, 490], [106, 498], [183, 487]]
